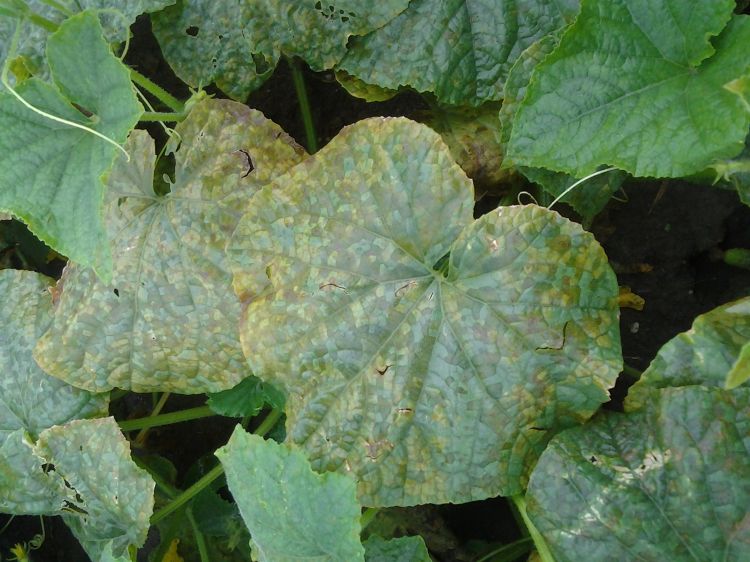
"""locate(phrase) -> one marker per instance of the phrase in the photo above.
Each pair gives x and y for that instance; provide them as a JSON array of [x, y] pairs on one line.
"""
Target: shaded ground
[[664, 241]]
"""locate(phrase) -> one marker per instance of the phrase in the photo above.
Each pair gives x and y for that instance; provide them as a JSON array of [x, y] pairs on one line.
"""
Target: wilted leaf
[[292, 512], [238, 44], [461, 50], [430, 355], [668, 483], [105, 506], [704, 355], [404, 549], [51, 173], [639, 86], [30, 400], [168, 321], [245, 399]]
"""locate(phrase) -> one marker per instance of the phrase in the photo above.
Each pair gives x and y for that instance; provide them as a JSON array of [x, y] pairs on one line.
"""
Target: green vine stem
[[167, 419], [143, 433], [200, 540], [200, 485], [304, 105], [367, 516], [545, 555], [157, 91], [162, 116]]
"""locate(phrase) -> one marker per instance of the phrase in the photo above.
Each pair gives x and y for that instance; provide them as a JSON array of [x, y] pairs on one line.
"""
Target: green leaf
[[292, 512], [429, 354], [103, 505], [30, 400], [168, 321], [51, 173], [668, 483], [404, 549], [246, 399], [740, 371], [461, 50], [639, 86], [238, 44], [115, 16], [704, 355]]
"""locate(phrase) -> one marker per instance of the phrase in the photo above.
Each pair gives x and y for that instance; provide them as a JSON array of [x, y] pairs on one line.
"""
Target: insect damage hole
[[192, 31], [383, 370], [248, 161]]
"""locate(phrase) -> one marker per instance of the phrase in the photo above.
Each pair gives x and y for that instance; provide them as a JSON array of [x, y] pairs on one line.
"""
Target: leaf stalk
[[304, 105], [541, 545]]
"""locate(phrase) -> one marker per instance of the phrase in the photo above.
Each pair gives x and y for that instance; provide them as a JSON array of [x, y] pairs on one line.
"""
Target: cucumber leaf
[[31, 400], [292, 512], [245, 399], [111, 506], [403, 549], [461, 50], [238, 44], [430, 355], [670, 482], [639, 86], [168, 321], [704, 355], [740, 371], [51, 173]]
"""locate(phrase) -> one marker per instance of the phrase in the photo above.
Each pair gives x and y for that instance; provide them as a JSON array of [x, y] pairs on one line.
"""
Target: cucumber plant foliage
[[416, 354]]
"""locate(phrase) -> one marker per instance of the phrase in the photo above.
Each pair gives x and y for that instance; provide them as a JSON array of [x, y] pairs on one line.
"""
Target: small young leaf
[[704, 355], [639, 86], [461, 50], [671, 482], [430, 355], [740, 371], [246, 399], [168, 321], [404, 549], [292, 512], [50, 173]]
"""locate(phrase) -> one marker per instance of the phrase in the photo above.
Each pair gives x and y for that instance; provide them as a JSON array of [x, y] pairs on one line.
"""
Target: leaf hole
[[593, 459], [193, 31], [248, 162], [117, 294], [383, 370], [261, 63]]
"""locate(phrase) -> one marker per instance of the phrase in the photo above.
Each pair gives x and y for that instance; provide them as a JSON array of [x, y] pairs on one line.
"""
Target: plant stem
[[631, 371], [42, 22], [141, 437], [369, 514], [167, 419], [737, 257], [541, 545], [161, 116], [514, 549], [265, 426], [200, 540], [304, 105], [157, 91]]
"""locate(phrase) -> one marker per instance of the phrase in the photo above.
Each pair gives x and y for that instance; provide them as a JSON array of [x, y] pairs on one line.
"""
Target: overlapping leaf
[[671, 482], [30, 400], [238, 44], [704, 355], [640, 86], [168, 321], [115, 16], [246, 399], [110, 499], [430, 355], [461, 50], [292, 512], [51, 173]]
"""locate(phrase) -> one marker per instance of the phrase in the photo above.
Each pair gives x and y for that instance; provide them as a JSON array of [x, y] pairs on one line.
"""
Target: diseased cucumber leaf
[[51, 173], [115, 16], [109, 499], [292, 512], [740, 371], [640, 86], [168, 321], [461, 50], [30, 400], [704, 355], [430, 355], [238, 44], [246, 399], [671, 482], [403, 549]]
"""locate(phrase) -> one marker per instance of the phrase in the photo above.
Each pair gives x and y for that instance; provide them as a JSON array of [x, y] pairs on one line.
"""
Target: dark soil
[[665, 242]]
